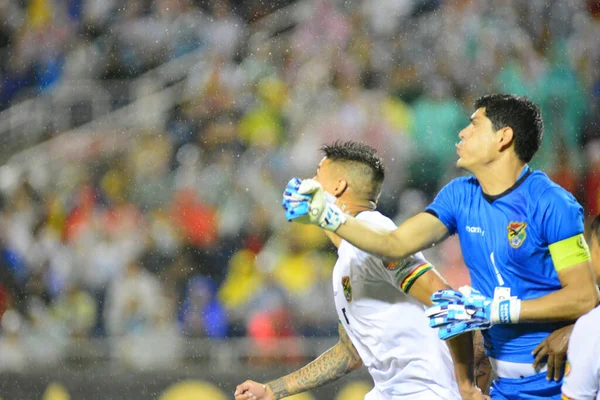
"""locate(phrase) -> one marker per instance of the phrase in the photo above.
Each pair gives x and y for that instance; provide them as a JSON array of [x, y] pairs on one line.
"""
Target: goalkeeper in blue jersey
[[521, 236]]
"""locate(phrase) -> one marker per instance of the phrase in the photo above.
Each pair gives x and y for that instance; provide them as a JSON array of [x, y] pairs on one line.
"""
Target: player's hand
[[456, 312], [554, 347], [473, 393], [306, 202], [251, 390]]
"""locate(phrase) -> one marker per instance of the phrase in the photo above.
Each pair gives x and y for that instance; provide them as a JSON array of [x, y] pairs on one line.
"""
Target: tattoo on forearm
[[279, 388], [330, 366], [482, 363]]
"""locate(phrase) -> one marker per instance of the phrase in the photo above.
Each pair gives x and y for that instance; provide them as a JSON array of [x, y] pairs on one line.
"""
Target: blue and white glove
[[456, 312], [306, 202]]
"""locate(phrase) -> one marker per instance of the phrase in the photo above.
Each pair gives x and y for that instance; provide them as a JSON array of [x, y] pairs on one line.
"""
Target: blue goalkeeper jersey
[[504, 240]]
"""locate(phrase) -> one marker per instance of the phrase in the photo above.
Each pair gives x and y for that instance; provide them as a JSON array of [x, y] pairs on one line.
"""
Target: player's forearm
[[372, 239], [566, 304], [483, 368], [330, 366], [417, 233], [461, 348]]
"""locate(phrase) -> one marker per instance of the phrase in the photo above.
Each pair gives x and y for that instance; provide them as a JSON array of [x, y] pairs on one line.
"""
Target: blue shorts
[[530, 388]]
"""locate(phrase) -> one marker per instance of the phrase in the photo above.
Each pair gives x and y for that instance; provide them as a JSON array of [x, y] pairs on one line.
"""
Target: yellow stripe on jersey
[[569, 252], [565, 397], [412, 277]]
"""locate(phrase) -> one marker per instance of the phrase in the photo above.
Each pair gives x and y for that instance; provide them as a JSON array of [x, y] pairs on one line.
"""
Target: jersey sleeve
[[445, 204], [560, 218], [402, 274], [582, 372], [559, 215]]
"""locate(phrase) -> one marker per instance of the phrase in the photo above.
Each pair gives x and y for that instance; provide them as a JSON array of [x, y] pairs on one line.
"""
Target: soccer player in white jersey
[[382, 324], [582, 372]]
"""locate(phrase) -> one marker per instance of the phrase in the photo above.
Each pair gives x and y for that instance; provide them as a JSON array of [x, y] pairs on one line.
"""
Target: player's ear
[[505, 137], [341, 187]]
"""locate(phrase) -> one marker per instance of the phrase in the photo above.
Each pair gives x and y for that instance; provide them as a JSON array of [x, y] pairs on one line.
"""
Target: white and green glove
[[306, 202]]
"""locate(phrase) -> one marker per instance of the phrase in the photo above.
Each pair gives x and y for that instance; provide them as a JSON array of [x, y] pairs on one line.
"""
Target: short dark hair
[[518, 113], [595, 228], [356, 153]]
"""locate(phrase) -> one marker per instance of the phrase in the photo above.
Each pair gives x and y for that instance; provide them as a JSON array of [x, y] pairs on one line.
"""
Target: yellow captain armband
[[569, 252]]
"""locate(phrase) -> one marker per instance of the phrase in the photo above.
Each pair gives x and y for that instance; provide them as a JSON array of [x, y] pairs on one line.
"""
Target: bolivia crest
[[347, 288], [400, 264], [516, 234]]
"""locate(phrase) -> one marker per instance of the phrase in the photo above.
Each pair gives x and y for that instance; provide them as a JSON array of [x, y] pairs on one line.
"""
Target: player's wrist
[[269, 392], [505, 311], [332, 218], [469, 391]]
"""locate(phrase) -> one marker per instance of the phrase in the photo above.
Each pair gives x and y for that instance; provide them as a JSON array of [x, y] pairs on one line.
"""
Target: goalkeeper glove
[[457, 312], [306, 202]]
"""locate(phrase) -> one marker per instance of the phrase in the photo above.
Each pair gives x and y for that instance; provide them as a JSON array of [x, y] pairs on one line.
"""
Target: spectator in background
[[134, 302], [243, 282], [201, 315], [438, 116], [191, 191], [75, 311]]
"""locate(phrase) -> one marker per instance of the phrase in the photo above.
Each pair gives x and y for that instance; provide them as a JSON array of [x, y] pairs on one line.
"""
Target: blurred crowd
[[181, 233]]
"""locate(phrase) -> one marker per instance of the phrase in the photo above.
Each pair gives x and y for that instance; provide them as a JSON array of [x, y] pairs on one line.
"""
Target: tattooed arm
[[336, 362], [483, 369]]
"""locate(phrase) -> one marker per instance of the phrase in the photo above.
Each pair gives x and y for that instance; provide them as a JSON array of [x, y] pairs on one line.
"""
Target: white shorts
[[375, 394]]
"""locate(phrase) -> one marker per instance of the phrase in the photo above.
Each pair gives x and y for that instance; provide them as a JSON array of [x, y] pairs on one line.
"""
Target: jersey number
[[345, 316]]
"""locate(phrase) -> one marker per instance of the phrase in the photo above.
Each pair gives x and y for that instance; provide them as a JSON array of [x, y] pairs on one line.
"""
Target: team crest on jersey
[[400, 264], [347, 288], [516, 234], [567, 368]]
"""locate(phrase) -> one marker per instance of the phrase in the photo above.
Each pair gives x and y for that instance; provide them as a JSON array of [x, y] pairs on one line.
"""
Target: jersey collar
[[524, 174]]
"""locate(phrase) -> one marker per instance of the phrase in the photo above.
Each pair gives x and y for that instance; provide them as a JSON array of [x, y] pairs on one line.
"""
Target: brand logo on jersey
[[516, 234], [567, 368], [347, 288], [475, 229]]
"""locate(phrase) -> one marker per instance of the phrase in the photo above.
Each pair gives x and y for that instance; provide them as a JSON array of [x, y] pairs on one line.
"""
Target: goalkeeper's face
[[479, 143]]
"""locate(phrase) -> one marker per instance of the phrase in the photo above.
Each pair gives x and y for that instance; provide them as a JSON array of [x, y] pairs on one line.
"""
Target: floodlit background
[[145, 144]]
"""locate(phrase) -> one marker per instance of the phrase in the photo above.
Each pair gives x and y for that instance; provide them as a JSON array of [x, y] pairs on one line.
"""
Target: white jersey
[[388, 327], [582, 373]]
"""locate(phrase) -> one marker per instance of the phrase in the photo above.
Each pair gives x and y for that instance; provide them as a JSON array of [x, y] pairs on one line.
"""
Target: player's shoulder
[[538, 181], [462, 185], [376, 218], [542, 188], [468, 181], [588, 321], [584, 328]]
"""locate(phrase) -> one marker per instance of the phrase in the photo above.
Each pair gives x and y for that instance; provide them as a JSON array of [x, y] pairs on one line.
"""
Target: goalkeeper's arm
[[306, 202], [415, 234]]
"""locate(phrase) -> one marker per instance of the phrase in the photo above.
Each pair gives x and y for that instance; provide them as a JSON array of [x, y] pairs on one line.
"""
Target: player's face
[[478, 143], [326, 176]]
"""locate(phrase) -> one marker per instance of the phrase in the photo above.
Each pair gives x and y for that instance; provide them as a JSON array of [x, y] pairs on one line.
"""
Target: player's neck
[[350, 207], [496, 178], [353, 207]]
